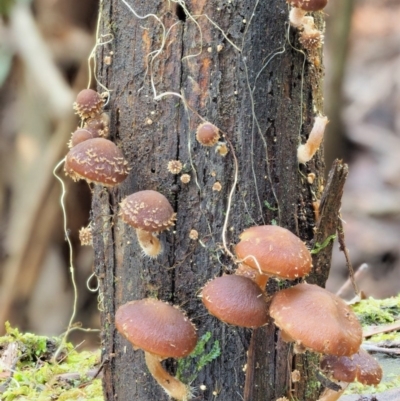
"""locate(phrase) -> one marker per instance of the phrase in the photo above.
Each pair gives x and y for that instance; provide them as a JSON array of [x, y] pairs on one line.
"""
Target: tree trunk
[[251, 83]]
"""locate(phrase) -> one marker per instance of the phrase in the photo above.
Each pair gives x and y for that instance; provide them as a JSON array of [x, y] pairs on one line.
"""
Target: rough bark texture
[[265, 106]]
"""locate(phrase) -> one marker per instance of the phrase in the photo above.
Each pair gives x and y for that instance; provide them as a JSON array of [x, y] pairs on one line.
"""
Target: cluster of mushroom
[[308, 315], [93, 157], [310, 37]]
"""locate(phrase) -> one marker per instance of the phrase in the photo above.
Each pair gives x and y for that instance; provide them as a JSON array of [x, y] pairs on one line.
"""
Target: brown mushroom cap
[[360, 366], [236, 300], [97, 160], [80, 135], [98, 125], [308, 5], [207, 134], [156, 327], [147, 210], [277, 251], [88, 103], [317, 319]]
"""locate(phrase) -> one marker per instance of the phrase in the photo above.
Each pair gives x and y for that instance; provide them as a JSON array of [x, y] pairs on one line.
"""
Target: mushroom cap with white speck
[[147, 210], [236, 300], [88, 103], [317, 319], [156, 327], [361, 367], [97, 160], [278, 252]]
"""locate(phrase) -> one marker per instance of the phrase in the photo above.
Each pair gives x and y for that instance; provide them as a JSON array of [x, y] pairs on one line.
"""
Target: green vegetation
[[200, 357], [319, 247], [35, 377]]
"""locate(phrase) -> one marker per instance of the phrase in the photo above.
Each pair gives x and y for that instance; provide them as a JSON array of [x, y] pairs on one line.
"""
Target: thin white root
[[171, 385], [307, 151]]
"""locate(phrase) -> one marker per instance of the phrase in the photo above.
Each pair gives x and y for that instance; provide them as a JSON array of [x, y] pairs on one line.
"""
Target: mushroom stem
[[171, 385], [332, 395], [149, 243], [253, 274], [296, 17]]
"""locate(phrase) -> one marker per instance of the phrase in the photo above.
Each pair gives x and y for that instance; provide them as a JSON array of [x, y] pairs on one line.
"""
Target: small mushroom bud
[[97, 160], [207, 134], [79, 136], [309, 5], [307, 151], [88, 103], [149, 212], [185, 178], [174, 166], [98, 125]]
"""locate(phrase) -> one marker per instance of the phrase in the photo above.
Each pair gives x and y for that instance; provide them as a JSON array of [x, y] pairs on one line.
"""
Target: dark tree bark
[[263, 97]]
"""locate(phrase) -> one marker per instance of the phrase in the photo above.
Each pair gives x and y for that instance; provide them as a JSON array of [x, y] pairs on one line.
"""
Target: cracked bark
[[216, 85]]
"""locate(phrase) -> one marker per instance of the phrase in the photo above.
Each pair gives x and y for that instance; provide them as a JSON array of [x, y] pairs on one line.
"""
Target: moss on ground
[[35, 377], [375, 312]]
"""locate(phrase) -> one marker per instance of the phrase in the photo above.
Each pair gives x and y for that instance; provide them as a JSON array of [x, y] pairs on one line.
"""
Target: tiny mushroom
[[207, 134], [161, 331], [317, 320], [272, 251], [149, 212], [80, 135], [236, 300], [361, 367], [88, 103], [99, 125], [97, 160]]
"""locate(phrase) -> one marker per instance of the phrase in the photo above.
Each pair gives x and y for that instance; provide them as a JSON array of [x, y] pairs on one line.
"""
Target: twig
[[343, 248], [374, 348], [382, 329], [360, 272]]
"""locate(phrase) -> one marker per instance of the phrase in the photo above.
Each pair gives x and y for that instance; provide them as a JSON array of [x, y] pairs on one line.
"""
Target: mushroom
[[149, 212], [236, 300], [88, 103], [161, 331], [207, 134], [80, 135], [301, 7], [266, 251], [99, 125], [97, 160], [316, 319], [361, 367]]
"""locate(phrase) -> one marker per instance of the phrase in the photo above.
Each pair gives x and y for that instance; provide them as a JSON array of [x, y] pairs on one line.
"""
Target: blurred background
[[44, 48]]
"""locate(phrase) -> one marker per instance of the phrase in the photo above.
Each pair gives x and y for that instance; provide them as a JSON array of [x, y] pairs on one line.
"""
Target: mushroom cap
[[360, 366], [236, 300], [97, 160], [88, 103], [317, 319], [80, 135], [308, 5], [98, 125], [147, 210], [278, 252], [207, 134], [156, 327]]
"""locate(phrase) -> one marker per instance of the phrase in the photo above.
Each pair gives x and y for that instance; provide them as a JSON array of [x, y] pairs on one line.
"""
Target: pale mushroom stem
[[296, 17], [332, 395], [149, 243], [171, 385], [260, 279]]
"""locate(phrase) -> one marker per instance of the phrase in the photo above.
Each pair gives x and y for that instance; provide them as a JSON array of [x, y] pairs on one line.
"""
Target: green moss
[[35, 376], [378, 311]]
